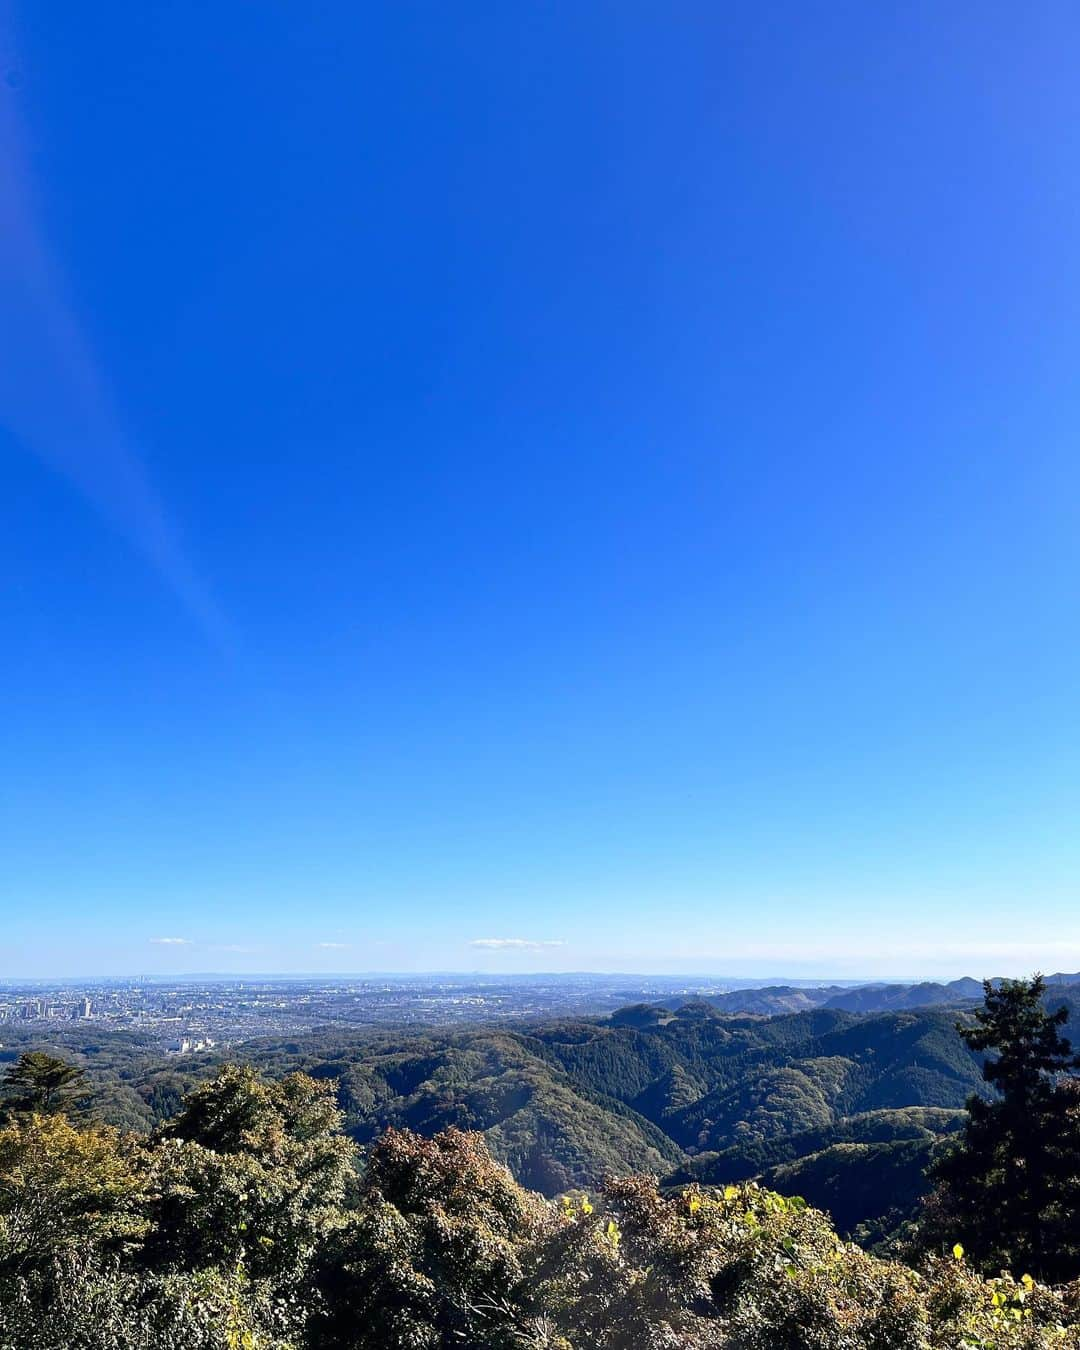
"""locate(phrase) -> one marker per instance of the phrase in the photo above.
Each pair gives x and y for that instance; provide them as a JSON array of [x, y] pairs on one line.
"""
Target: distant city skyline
[[519, 488]]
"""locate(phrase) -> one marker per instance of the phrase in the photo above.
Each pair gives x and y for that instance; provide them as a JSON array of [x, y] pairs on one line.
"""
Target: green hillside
[[691, 1093], [685, 1093], [250, 1221], [867, 1189]]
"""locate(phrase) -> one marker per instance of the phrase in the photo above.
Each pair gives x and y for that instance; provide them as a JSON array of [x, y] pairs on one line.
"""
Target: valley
[[845, 1107]]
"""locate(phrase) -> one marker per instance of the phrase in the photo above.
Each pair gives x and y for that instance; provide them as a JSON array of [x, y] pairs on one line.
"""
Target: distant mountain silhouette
[[770, 1000]]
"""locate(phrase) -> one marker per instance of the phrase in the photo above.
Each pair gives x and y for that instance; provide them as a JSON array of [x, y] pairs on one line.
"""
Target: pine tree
[[41, 1083], [1008, 1190]]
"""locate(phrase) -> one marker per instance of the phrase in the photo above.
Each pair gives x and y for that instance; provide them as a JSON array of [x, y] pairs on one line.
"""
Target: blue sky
[[594, 479]]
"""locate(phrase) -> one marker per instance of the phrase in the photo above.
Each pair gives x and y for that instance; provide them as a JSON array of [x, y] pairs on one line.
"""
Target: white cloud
[[172, 942], [514, 944], [333, 946]]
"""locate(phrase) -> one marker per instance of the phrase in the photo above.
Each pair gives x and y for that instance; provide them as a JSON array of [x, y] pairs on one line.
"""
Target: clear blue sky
[[595, 474]]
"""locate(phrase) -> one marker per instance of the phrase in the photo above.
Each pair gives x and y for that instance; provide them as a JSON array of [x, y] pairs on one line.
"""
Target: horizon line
[[774, 979]]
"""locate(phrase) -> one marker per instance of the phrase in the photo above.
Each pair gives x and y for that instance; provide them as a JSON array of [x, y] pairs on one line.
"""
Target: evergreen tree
[[41, 1083], [1008, 1190]]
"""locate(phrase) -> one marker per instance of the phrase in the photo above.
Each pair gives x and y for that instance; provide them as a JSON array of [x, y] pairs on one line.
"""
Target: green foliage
[[447, 1251], [42, 1083], [242, 1225], [64, 1189], [553, 1131], [686, 1093], [94, 1306], [869, 1190], [1012, 1182], [249, 1170], [567, 1102], [436, 1252]]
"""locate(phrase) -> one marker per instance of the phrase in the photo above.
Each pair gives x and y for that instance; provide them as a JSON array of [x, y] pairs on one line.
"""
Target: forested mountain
[[566, 1103], [780, 998], [250, 1222], [845, 1108], [341, 1207]]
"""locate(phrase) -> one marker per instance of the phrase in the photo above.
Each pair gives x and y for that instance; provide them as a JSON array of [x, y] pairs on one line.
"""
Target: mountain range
[[843, 1101]]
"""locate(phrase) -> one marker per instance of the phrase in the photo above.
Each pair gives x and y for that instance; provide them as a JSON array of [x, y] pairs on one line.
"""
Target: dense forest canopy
[[347, 1190], [251, 1218], [846, 1108]]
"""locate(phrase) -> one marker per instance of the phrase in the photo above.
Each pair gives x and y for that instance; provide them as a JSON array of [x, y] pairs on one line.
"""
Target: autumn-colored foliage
[[251, 1222]]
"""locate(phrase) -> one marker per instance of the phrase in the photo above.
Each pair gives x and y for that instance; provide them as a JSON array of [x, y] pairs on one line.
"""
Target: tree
[[65, 1190], [434, 1256], [441, 1249], [1007, 1190], [43, 1083], [250, 1171]]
